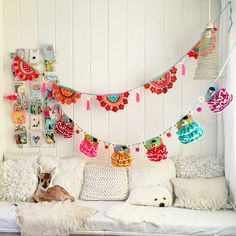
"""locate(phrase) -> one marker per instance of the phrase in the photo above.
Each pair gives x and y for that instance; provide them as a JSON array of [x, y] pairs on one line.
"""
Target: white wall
[[110, 46]]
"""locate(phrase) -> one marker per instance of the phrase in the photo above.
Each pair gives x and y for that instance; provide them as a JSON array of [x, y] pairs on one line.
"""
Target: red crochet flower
[[65, 95], [23, 70], [163, 83], [114, 102]]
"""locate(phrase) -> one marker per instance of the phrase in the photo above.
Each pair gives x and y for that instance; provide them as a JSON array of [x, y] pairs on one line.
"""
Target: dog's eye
[[155, 199], [41, 180], [164, 198]]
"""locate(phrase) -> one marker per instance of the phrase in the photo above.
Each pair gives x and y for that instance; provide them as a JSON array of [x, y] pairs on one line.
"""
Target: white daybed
[[177, 222]]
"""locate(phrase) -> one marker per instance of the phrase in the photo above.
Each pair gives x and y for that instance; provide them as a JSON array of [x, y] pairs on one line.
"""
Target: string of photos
[[39, 93]]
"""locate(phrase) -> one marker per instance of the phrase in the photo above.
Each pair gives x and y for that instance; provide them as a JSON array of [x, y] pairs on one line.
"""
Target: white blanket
[[130, 214], [57, 218]]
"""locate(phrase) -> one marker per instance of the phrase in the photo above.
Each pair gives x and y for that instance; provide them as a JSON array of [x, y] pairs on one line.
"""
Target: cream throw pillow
[[104, 182], [69, 174], [145, 173], [201, 194], [18, 180]]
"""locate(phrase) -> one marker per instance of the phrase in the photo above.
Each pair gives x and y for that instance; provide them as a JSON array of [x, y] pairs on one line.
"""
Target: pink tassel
[[11, 98], [137, 97], [88, 107], [44, 87], [183, 69]]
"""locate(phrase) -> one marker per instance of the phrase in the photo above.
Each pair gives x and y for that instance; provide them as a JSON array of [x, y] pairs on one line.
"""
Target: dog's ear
[[39, 171], [53, 171]]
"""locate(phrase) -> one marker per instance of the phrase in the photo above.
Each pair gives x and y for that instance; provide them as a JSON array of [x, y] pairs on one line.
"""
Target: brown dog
[[47, 192]]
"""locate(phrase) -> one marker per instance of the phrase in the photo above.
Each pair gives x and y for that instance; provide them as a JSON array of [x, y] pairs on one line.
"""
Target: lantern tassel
[[88, 106], [183, 69], [137, 97], [44, 87]]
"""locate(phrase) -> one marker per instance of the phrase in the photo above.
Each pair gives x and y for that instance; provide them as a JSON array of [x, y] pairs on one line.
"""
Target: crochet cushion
[[104, 182]]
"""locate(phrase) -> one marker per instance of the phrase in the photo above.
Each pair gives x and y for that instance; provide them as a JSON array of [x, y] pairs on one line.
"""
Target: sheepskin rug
[[129, 214], [56, 218]]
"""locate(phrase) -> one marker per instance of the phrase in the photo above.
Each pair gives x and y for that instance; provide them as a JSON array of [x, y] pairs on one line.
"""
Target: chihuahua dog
[[47, 192]]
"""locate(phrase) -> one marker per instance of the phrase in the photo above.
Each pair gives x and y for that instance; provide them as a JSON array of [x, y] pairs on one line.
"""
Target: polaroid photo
[[36, 139], [19, 117], [20, 135], [35, 122], [36, 90], [36, 106], [50, 136]]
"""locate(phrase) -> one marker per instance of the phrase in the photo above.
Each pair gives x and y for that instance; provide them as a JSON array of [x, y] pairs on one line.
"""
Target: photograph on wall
[[36, 139]]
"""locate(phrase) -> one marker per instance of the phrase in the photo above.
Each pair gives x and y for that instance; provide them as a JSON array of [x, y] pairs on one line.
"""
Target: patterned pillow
[[104, 182], [191, 167]]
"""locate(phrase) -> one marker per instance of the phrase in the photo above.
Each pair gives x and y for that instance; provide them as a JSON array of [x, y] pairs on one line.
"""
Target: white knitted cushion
[[18, 180], [104, 182]]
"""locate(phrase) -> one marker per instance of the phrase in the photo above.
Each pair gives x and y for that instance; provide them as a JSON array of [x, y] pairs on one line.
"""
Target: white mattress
[[177, 222]]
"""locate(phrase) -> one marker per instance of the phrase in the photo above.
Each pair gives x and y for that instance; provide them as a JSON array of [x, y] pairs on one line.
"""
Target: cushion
[[201, 194], [34, 156], [48, 162], [145, 173], [193, 167], [69, 174], [18, 180], [154, 196], [104, 182]]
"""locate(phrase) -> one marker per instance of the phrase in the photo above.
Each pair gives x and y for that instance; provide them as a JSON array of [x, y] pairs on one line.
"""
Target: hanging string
[[196, 104], [209, 10]]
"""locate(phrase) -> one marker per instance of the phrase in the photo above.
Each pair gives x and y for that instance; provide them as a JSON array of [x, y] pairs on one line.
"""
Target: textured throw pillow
[[18, 180], [145, 173], [17, 156], [201, 194], [104, 182], [154, 196], [69, 174], [192, 167]]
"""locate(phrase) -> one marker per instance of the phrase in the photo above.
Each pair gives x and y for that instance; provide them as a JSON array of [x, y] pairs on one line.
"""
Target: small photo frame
[[50, 136], [36, 107], [36, 139], [20, 135], [20, 89], [18, 117], [35, 122], [36, 90]]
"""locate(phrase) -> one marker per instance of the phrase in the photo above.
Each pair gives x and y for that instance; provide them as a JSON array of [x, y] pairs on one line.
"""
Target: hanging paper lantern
[[65, 95], [218, 98], [121, 156], [89, 146], [64, 126], [208, 60], [188, 130], [164, 83], [207, 43], [114, 102], [23, 70], [156, 150]]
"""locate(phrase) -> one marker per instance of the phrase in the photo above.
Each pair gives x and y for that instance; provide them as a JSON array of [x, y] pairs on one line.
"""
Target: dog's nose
[[161, 204], [44, 185]]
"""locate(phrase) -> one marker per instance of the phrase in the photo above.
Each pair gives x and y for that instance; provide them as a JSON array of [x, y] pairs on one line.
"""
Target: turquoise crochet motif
[[190, 133]]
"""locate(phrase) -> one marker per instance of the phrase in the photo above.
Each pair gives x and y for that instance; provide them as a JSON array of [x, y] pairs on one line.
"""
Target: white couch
[[177, 221]]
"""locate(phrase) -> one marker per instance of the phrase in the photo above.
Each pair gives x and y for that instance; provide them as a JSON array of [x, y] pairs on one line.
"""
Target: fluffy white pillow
[[69, 174], [201, 194], [48, 162], [154, 196], [104, 182], [17, 156], [18, 180], [145, 173], [192, 167]]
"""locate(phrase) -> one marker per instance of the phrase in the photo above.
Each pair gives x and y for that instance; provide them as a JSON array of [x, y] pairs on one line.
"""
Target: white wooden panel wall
[[110, 46]]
